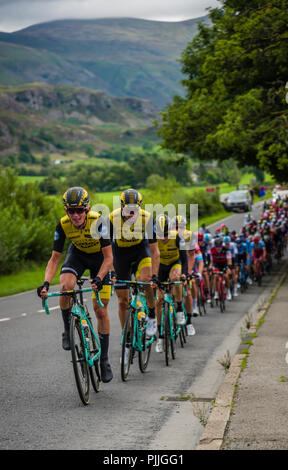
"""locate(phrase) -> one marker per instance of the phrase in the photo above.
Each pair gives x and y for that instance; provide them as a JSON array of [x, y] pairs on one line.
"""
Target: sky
[[18, 14]]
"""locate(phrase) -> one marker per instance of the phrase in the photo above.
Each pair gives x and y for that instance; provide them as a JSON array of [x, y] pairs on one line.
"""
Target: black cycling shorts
[[130, 260], [76, 262], [164, 270]]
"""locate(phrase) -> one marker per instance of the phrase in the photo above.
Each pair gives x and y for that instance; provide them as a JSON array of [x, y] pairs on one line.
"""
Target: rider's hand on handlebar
[[42, 291], [96, 283], [154, 281], [183, 279], [113, 277]]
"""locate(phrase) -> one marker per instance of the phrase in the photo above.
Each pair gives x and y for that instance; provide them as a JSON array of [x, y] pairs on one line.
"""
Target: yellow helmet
[[76, 197], [131, 196], [162, 225]]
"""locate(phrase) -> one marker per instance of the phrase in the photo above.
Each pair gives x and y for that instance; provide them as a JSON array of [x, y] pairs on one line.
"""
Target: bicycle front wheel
[[94, 370], [144, 355], [127, 341], [221, 297], [80, 366]]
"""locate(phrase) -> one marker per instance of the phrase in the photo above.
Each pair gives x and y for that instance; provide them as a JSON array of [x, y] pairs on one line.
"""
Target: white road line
[[5, 319], [52, 308]]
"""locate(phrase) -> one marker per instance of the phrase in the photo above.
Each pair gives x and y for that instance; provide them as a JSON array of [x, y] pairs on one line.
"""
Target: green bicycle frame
[[169, 299], [79, 311], [138, 298]]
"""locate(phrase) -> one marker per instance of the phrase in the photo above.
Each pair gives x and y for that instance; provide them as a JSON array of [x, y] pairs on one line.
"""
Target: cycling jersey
[[90, 239], [242, 248], [258, 249], [220, 258], [130, 244], [172, 252], [169, 249], [206, 253], [125, 235]]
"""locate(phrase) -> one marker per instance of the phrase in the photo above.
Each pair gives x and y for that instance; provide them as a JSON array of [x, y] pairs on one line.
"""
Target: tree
[[236, 70]]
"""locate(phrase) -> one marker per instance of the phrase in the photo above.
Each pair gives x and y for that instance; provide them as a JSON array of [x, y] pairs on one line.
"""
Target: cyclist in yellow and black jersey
[[135, 250], [90, 248], [179, 224], [173, 267]]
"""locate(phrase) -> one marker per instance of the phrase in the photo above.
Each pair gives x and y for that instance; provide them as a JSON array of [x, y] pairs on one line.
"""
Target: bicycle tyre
[[94, 370], [167, 343], [144, 355], [201, 301], [80, 366], [221, 298], [173, 341], [127, 341], [183, 334]]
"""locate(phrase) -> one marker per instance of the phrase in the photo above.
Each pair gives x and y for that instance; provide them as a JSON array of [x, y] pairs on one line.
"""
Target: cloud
[[17, 14]]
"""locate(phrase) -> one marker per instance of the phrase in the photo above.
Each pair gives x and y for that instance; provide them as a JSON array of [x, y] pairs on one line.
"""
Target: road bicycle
[[134, 338], [169, 329], [85, 345]]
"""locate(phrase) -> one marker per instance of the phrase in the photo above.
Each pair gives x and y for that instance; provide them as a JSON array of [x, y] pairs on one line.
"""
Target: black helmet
[[76, 197], [162, 225], [131, 196]]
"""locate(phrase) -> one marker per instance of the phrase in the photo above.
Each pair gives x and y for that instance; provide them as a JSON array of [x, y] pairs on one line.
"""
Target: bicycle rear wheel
[[127, 341], [80, 366]]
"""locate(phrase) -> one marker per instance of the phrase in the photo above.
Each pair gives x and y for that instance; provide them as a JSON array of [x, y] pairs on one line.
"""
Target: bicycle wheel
[[221, 297], [127, 349], [94, 370], [167, 342], [201, 301], [212, 292], [183, 334], [80, 366], [144, 355]]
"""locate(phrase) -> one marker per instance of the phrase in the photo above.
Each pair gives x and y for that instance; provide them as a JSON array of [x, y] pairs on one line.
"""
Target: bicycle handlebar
[[71, 293]]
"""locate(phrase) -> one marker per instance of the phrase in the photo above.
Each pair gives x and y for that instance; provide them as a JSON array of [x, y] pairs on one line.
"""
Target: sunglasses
[[76, 210]]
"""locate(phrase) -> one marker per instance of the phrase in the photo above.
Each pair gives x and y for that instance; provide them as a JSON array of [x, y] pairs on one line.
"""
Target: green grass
[[31, 179], [29, 277]]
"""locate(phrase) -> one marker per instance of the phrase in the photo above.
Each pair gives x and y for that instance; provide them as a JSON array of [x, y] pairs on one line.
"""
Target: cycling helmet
[[218, 241], [207, 237], [200, 237], [226, 239], [131, 196], [256, 239], [76, 197], [179, 221], [162, 225]]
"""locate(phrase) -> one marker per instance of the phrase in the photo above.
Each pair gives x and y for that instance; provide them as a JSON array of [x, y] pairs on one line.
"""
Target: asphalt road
[[40, 406]]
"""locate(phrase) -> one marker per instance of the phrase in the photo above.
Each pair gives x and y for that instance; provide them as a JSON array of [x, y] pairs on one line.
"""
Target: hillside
[[61, 118], [122, 56]]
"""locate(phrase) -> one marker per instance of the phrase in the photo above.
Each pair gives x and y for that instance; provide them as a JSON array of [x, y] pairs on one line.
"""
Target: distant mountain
[[121, 56], [49, 118]]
